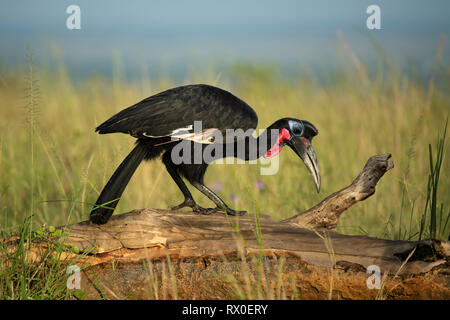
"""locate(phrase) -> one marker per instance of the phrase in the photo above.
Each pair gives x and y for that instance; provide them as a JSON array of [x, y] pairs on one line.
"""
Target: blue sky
[[169, 36]]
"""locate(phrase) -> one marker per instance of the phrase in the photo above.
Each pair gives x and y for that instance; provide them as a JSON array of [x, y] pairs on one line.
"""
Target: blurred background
[[367, 91], [154, 38]]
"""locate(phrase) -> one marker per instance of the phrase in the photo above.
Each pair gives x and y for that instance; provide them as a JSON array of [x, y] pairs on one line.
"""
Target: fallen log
[[153, 253], [203, 250]]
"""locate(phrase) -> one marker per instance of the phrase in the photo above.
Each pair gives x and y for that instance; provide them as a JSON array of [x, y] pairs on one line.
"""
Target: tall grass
[[26, 274], [437, 228]]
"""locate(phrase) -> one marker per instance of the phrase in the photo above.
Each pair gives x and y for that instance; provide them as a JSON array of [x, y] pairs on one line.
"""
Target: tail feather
[[111, 193]]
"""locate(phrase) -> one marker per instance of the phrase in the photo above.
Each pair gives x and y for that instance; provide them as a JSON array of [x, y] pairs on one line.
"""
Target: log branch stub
[[326, 214]]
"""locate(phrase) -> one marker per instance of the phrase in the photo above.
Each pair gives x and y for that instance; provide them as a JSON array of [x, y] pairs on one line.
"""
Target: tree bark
[[199, 253]]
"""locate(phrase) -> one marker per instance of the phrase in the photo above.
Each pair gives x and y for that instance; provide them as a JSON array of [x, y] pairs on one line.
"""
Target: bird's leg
[[188, 199], [221, 205]]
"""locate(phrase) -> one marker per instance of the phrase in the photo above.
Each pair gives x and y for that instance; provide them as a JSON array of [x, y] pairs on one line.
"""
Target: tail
[[111, 193]]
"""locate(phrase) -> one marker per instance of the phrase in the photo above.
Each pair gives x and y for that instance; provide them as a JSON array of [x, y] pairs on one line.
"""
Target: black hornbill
[[163, 121]]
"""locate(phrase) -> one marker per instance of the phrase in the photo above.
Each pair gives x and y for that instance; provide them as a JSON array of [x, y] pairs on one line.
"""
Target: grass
[[436, 228], [53, 166], [25, 275]]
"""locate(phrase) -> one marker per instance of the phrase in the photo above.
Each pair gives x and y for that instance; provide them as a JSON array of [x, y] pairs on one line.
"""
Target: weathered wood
[[203, 250], [186, 235]]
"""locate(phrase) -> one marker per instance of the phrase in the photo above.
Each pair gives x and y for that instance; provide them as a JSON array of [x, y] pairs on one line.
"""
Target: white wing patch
[[181, 131], [174, 132], [204, 137]]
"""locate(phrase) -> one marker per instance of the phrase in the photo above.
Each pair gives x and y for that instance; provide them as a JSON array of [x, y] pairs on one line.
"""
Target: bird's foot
[[186, 203], [230, 211], [201, 210], [198, 209], [194, 206]]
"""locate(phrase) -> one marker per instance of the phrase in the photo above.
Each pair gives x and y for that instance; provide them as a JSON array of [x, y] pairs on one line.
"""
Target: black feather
[[113, 190], [179, 107]]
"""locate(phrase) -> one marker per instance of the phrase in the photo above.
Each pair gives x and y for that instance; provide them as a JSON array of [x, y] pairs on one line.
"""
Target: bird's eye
[[297, 129]]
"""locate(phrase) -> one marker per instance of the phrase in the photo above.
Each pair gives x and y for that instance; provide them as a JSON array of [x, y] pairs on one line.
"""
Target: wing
[[173, 112]]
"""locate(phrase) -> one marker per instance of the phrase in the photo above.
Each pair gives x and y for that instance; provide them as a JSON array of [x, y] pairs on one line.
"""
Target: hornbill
[[163, 121]]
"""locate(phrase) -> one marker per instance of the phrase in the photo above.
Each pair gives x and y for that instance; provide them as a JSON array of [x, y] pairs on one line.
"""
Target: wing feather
[[177, 109]]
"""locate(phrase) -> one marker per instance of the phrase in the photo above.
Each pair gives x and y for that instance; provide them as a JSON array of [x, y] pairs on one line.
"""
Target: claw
[[205, 211], [186, 203], [194, 206], [232, 212], [198, 209]]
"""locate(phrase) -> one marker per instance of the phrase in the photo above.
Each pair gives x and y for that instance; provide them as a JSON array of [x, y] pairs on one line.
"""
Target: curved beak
[[303, 148]]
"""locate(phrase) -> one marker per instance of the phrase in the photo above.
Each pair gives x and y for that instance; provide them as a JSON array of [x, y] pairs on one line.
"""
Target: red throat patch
[[276, 148]]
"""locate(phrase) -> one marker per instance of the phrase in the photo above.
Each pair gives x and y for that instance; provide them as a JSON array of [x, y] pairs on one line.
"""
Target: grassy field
[[53, 165]]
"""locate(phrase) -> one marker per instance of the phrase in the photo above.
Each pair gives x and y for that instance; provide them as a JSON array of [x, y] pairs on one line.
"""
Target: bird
[[165, 124]]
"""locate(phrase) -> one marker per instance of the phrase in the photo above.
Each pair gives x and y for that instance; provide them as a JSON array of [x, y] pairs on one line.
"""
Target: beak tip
[[307, 154]]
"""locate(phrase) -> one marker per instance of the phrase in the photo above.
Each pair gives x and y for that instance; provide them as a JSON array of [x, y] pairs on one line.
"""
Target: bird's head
[[298, 135]]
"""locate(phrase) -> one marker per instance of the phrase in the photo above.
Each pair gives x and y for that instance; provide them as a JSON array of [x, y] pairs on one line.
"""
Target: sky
[[169, 37]]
